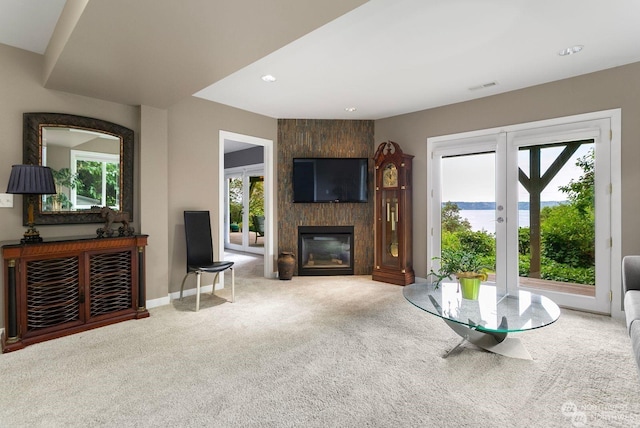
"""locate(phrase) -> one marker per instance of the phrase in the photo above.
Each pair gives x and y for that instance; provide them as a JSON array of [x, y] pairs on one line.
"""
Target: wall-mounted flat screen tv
[[330, 179]]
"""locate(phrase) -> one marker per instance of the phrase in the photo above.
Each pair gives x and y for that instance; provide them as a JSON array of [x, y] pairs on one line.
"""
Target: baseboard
[[154, 303], [162, 301]]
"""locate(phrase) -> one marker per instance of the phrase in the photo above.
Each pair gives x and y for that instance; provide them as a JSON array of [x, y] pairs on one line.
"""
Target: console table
[[67, 285], [485, 322]]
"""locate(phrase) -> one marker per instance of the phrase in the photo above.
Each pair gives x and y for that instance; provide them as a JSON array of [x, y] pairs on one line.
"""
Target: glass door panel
[[469, 213], [235, 209], [556, 217], [256, 210]]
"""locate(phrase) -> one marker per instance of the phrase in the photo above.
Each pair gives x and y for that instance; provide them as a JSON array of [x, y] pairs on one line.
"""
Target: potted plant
[[466, 266]]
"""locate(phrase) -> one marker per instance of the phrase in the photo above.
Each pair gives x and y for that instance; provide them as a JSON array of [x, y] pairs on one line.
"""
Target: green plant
[[554, 271], [461, 263], [90, 181], [452, 221], [235, 212], [568, 235], [524, 241]]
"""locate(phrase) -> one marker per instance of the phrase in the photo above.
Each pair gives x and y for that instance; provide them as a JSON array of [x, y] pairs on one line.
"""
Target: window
[[97, 178]]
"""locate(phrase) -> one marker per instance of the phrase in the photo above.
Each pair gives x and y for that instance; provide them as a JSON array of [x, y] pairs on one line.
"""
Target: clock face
[[390, 176]]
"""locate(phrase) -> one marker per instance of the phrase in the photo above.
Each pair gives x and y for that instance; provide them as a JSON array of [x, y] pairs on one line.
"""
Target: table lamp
[[31, 180]]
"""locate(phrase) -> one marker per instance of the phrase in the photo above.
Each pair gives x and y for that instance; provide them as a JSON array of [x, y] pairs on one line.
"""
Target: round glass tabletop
[[493, 311]]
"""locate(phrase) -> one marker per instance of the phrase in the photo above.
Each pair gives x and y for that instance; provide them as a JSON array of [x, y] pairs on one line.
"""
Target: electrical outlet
[[6, 200]]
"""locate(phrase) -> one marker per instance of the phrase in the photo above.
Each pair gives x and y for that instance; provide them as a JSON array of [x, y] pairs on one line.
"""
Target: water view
[[482, 215], [486, 219]]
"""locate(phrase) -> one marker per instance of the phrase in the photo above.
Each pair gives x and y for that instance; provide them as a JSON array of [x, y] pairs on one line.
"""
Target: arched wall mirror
[[92, 163]]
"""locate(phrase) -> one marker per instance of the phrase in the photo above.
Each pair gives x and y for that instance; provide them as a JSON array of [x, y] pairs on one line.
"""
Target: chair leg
[[198, 274], [182, 285], [213, 287]]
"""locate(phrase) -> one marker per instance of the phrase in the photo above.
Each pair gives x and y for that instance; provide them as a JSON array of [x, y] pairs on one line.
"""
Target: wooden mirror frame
[[32, 155]]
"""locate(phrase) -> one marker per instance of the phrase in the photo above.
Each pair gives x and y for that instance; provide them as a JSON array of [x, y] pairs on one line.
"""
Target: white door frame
[[527, 132], [269, 201]]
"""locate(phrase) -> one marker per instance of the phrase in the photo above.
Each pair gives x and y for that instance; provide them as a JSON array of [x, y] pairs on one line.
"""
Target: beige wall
[[152, 184], [194, 126], [609, 89]]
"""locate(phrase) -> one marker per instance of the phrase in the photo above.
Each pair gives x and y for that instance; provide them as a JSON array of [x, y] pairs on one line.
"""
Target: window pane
[[89, 188]]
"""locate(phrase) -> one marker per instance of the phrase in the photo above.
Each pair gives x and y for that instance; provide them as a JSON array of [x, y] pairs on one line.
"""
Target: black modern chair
[[197, 227]]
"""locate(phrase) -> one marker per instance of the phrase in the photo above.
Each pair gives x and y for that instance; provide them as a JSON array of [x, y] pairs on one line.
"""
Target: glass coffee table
[[487, 321]]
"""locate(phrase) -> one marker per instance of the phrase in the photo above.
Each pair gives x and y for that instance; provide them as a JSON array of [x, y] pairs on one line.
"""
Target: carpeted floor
[[317, 352]]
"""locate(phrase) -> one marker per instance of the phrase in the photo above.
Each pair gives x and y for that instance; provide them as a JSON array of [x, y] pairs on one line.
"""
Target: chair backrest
[[631, 273], [258, 223], [197, 229]]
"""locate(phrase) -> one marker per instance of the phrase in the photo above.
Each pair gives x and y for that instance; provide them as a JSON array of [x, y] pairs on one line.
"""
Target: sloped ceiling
[[157, 52]]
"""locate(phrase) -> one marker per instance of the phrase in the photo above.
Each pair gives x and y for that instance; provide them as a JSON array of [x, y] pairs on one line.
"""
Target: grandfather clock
[[393, 216]]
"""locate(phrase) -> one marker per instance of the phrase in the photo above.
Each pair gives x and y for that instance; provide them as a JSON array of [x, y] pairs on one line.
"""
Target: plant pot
[[286, 264], [470, 287]]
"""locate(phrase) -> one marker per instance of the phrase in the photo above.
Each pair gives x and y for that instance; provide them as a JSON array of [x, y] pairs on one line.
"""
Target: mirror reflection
[[86, 168]]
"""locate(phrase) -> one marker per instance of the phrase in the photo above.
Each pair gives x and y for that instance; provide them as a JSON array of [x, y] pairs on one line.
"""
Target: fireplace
[[325, 250]]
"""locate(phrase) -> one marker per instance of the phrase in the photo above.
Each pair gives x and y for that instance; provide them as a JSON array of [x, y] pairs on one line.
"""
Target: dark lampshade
[[31, 180]]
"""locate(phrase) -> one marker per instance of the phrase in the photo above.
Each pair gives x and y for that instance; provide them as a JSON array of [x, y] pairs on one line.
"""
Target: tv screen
[[330, 179]]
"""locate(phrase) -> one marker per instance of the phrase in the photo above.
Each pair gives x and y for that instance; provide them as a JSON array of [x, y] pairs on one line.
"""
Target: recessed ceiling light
[[351, 109], [268, 78], [571, 50]]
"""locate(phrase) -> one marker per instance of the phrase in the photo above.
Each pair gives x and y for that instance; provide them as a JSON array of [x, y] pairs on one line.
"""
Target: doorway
[[260, 177], [542, 202]]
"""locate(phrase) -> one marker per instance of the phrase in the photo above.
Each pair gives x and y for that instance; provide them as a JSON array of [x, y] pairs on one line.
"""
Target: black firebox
[[325, 250]]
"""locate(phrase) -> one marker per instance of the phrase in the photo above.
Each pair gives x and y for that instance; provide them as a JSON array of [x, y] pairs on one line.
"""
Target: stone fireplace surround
[[325, 138]]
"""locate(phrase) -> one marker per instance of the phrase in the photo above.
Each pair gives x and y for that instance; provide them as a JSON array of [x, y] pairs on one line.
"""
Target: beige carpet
[[317, 352]]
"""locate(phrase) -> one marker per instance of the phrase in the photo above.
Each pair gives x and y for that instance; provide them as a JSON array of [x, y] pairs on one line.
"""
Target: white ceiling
[[28, 24], [385, 57], [392, 57], [231, 146]]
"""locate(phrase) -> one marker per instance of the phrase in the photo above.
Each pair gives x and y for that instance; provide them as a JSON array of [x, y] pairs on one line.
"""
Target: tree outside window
[[97, 179]]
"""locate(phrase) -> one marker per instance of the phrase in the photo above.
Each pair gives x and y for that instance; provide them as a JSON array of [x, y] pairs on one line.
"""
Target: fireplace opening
[[325, 250]]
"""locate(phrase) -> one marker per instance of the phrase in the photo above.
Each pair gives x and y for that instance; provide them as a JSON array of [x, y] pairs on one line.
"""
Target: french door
[[537, 199], [467, 174], [245, 209]]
